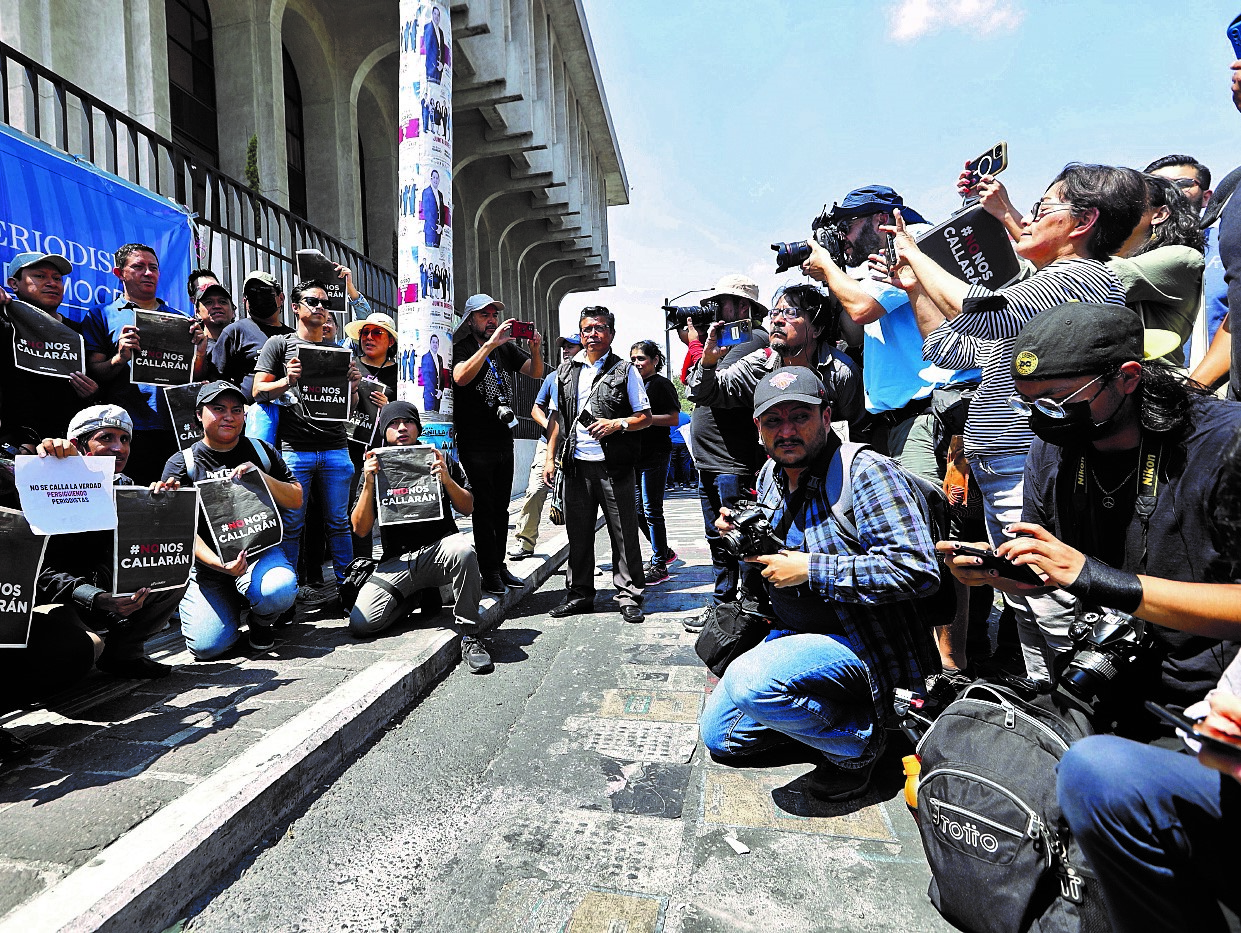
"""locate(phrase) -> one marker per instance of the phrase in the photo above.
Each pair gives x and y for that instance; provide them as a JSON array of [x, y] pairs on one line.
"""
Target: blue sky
[[738, 121]]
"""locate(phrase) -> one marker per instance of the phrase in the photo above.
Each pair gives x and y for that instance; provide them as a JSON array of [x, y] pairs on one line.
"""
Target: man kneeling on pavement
[[847, 629], [418, 555]]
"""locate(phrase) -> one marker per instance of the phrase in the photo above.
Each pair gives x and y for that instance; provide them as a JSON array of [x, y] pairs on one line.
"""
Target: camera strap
[[1150, 456]]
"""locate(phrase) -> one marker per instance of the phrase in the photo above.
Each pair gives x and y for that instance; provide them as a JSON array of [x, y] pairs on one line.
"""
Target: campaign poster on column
[[324, 383], [66, 496], [153, 545], [183, 404], [21, 558], [42, 344], [241, 515], [406, 489], [167, 354]]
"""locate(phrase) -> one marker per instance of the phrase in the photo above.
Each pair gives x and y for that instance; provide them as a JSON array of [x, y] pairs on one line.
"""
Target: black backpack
[[1001, 855]]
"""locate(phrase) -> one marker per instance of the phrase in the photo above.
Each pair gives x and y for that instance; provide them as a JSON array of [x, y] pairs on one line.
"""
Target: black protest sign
[[21, 558], [312, 265], [153, 545], [324, 383], [363, 414], [42, 344], [241, 514], [406, 490], [973, 246], [167, 354], [182, 403]]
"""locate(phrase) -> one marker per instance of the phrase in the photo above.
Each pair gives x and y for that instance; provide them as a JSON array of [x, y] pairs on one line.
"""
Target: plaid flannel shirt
[[866, 589]]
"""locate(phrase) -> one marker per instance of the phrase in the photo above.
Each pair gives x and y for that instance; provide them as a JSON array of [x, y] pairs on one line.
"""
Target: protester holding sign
[[214, 309], [220, 589], [316, 451], [113, 340], [42, 382], [78, 568], [375, 340], [417, 555]]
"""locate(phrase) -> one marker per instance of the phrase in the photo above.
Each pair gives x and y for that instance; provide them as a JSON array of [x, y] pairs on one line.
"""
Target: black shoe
[[475, 654], [494, 584], [836, 785], [519, 553], [285, 619], [510, 578], [572, 607], [632, 614], [262, 637], [316, 597], [694, 624], [656, 572], [133, 668]]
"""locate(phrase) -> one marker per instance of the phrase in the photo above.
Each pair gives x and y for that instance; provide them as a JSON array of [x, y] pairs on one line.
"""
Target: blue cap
[[22, 260], [873, 199]]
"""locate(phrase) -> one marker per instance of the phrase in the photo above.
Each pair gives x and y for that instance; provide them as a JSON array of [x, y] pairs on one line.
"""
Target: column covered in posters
[[424, 254]]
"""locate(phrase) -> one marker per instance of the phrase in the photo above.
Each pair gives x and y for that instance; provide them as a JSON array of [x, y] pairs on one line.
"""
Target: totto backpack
[[1001, 855]]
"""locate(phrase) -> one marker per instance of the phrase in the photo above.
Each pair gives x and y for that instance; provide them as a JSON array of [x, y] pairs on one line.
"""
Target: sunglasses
[[1049, 406], [312, 302], [374, 332]]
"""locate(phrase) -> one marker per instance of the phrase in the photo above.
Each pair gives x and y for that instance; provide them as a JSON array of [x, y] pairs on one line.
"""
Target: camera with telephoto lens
[[677, 317], [1106, 643], [751, 534], [507, 416], [827, 233]]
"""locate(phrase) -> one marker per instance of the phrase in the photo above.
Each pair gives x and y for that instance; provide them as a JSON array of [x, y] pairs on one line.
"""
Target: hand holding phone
[[522, 330], [734, 333], [1189, 727], [991, 162], [1234, 36], [1021, 573], [586, 419]]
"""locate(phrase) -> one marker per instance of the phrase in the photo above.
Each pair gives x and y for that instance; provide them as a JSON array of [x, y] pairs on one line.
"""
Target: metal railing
[[239, 230]]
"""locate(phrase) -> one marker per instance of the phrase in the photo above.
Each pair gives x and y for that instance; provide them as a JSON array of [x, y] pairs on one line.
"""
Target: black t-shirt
[[34, 406], [235, 352], [724, 440], [473, 418], [386, 374], [296, 431], [664, 401], [410, 536], [212, 464], [1179, 542]]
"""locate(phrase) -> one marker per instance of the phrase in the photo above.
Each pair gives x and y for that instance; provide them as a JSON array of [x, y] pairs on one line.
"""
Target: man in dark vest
[[598, 403]]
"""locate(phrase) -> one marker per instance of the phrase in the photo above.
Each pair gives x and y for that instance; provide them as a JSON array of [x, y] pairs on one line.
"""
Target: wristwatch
[[624, 423]]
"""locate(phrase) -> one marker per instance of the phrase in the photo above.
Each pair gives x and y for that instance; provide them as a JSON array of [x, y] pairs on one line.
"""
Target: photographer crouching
[[1120, 481], [847, 631]]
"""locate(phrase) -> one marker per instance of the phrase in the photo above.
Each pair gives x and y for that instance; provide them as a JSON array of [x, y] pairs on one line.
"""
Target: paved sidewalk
[[135, 794]]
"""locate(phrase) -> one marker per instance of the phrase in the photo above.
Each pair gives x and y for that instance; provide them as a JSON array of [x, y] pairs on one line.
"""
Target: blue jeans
[[652, 476], [212, 605], [1159, 829], [328, 473], [262, 419], [716, 490], [809, 688]]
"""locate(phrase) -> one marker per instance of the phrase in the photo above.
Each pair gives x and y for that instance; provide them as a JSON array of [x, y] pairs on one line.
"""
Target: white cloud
[[913, 19]]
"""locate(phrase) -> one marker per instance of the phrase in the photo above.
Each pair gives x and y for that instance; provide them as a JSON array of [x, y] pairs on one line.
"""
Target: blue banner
[[51, 202]]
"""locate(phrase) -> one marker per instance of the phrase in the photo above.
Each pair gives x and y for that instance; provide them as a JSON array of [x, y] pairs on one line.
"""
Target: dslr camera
[[751, 534], [507, 416], [1106, 643], [676, 317], [827, 233]]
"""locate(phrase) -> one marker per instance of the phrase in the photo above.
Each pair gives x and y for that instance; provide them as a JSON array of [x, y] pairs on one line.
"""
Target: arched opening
[[294, 136], [191, 79]]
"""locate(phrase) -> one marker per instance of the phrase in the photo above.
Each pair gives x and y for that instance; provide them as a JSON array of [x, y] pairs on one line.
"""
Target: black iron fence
[[239, 230]]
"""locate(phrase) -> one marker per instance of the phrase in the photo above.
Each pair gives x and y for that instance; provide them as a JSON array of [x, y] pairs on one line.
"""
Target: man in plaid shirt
[[849, 631]]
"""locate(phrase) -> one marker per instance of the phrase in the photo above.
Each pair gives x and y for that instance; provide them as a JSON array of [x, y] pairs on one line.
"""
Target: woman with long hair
[[652, 468]]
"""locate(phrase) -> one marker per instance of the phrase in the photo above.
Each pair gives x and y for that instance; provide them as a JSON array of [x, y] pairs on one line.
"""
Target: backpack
[[1001, 854], [940, 606]]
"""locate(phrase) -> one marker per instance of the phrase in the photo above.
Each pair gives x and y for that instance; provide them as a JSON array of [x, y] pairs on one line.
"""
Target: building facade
[[297, 100]]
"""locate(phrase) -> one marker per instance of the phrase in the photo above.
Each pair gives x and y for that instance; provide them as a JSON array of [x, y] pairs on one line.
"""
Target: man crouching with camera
[[847, 630], [1121, 481]]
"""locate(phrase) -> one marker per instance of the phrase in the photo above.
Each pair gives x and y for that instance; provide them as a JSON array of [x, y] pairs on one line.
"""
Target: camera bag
[[1001, 854], [731, 630]]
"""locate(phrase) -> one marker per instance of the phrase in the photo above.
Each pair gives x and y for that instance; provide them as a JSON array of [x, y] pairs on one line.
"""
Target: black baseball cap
[[1077, 338], [873, 199], [789, 384], [213, 390]]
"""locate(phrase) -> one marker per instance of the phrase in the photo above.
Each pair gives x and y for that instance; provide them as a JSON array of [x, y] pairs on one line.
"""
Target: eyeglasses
[[788, 314], [1050, 406], [1184, 183], [313, 302], [1043, 207]]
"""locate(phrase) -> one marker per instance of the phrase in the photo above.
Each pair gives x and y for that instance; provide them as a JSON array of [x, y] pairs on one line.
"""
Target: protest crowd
[[924, 483]]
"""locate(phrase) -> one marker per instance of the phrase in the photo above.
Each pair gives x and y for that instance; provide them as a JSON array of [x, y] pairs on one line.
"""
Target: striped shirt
[[864, 590], [984, 333]]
